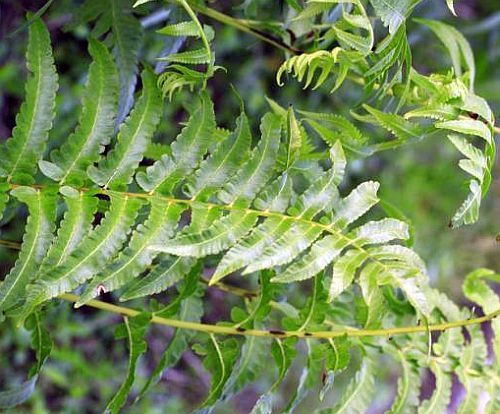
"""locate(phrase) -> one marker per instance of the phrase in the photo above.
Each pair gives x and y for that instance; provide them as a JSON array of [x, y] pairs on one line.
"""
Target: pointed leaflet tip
[[451, 6]]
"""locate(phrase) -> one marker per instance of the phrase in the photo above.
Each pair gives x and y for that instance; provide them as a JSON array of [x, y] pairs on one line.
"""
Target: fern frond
[[75, 225], [164, 275], [187, 306], [133, 330], [440, 398], [354, 34], [447, 101], [190, 57], [247, 183], [332, 128], [225, 160], [213, 240], [37, 238], [136, 257], [99, 246], [407, 398], [477, 290], [177, 77], [470, 368], [116, 170], [189, 28], [96, 125], [397, 125], [393, 13], [456, 45], [219, 360], [359, 393], [306, 66], [283, 352], [20, 153], [188, 151], [115, 18]]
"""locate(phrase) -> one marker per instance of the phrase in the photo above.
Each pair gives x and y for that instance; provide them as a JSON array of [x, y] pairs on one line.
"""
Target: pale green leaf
[[20, 153]]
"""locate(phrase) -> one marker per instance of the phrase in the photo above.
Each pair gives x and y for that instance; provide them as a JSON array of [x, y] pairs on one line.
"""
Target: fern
[[96, 124], [115, 17], [20, 153], [116, 170], [37, 239], [274, 209], [134, 330]]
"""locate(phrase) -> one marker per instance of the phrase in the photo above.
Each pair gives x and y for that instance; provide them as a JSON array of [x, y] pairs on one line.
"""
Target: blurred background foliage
[[420, 180]]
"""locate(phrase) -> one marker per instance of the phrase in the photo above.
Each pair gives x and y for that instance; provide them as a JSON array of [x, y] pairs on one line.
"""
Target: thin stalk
[[243, 26], [10, 244], [203, 36], [226, 207], [228, 330], [328, 228]]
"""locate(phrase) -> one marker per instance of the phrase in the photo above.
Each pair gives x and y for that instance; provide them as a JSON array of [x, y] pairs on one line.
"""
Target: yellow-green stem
[[229, 330], [243, 26]]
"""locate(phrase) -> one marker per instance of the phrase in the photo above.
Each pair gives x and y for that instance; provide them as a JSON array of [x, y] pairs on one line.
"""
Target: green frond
[[127, 37], [477, 290], [93, 252], [137, 256], [397, 125], [252, 177], [214, 171], [457, 46], [96, 125], [189, 28], [354, 34], [20, 153], [309, 377], [283, 352], [334, 128], [272, 208], [114, 20], [312, 9], [213, 240], [178, 77], [187, 306], [219, 359], [251, 364], [477, 164], [36, 241], [75, 225], [393, 12], [40, 341], [133, 330], [251, 248], [360, 391], [116, 169], [390, 66], [188, 151], [470, 368], [190, 57], [322, 63], [440, 398], [450, 108], [407, 397], [164, 275]]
